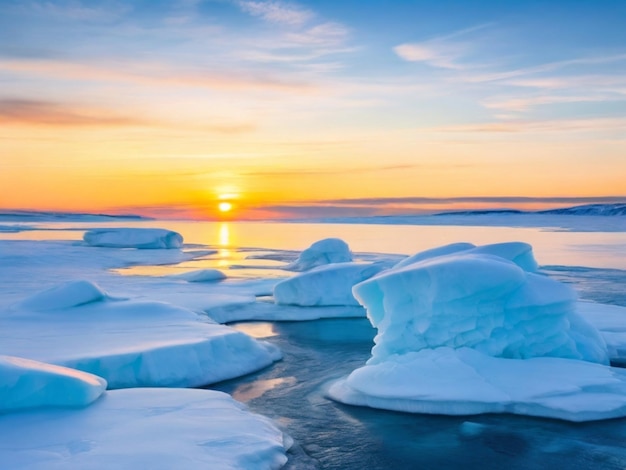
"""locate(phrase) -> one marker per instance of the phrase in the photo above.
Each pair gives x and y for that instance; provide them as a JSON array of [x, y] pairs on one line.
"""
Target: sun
[[225, 206]]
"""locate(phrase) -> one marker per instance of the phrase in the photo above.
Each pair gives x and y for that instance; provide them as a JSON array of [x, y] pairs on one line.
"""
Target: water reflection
[[250, 391]]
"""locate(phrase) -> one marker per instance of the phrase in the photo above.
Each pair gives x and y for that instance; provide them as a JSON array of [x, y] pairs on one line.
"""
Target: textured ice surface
[[465, 381], [132, 343], [31, 384], [325, 285], [482, 301], [326, 251], [144, 429], [149, 238], [466, 331], [518, 252], [610, 320]]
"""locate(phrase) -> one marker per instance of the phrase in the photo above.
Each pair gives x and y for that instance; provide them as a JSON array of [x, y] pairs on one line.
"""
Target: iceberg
[[325, 285], [144, 428], [31, 384], [512, 338], [145, 238], [130, 343], [326, 251]]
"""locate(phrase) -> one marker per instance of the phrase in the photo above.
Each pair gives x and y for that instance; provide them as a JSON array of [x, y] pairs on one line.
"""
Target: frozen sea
[[587, 252]]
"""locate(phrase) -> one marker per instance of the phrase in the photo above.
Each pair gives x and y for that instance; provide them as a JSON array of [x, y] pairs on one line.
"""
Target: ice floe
[[512, 339], [146, 238], [201, 275], [31, 384], [465, 381], [144, 428], [324, 285], [326, 251], [130, 343]]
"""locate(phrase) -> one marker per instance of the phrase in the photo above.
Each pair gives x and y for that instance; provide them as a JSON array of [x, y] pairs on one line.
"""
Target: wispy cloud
[[277, 12], [156, 74], [611, 125], [444, 51], [48, 113], [525, 103], [542, 68], [16, 111]]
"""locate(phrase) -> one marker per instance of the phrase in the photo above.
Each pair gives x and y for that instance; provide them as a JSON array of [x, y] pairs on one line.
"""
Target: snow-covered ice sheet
[[330, 284], [465, 381], [144, 429], [128, 342], [143, 238], [32, 384], [326, 251]]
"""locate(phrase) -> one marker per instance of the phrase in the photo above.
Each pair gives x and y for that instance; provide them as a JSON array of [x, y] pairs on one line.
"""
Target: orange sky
[[294, 112]]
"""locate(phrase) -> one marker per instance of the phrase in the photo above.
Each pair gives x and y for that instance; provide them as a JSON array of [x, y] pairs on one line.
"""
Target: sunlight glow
[[225, 206]]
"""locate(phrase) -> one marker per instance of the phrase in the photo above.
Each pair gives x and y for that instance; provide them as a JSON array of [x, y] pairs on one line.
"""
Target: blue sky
[[403, 93]]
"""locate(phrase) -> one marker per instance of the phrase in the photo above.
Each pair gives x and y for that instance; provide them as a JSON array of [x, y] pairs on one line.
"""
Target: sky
[[286, 109]]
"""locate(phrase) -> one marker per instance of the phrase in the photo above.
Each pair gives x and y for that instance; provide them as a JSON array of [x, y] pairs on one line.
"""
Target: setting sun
[[225, 206]]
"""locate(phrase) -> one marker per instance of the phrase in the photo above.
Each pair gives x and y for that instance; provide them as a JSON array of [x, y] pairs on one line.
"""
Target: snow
[[144, 428], [31, 384], [326, 251], [325, 285], [201, 275], [67, 295], [465, 381], [131, 343], [146, 238]]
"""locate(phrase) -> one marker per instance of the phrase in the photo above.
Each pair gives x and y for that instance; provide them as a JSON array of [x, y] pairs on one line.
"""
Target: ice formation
[[144, 428], [518, 252], [147, 238], [131, 343], [464, 381], [202, 275], [476, 299], [469, 316], [31, 384], [325, 285], [63, 296], [326, 251]]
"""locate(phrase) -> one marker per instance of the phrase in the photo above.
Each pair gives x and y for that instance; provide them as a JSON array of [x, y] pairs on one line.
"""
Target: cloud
[[17, 111], [438, 55], [295, 172], [524, 104], [277, 12], [48, 113], [442, 52], [385, 201], [542, 68], [156, 74], [533, 126]]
